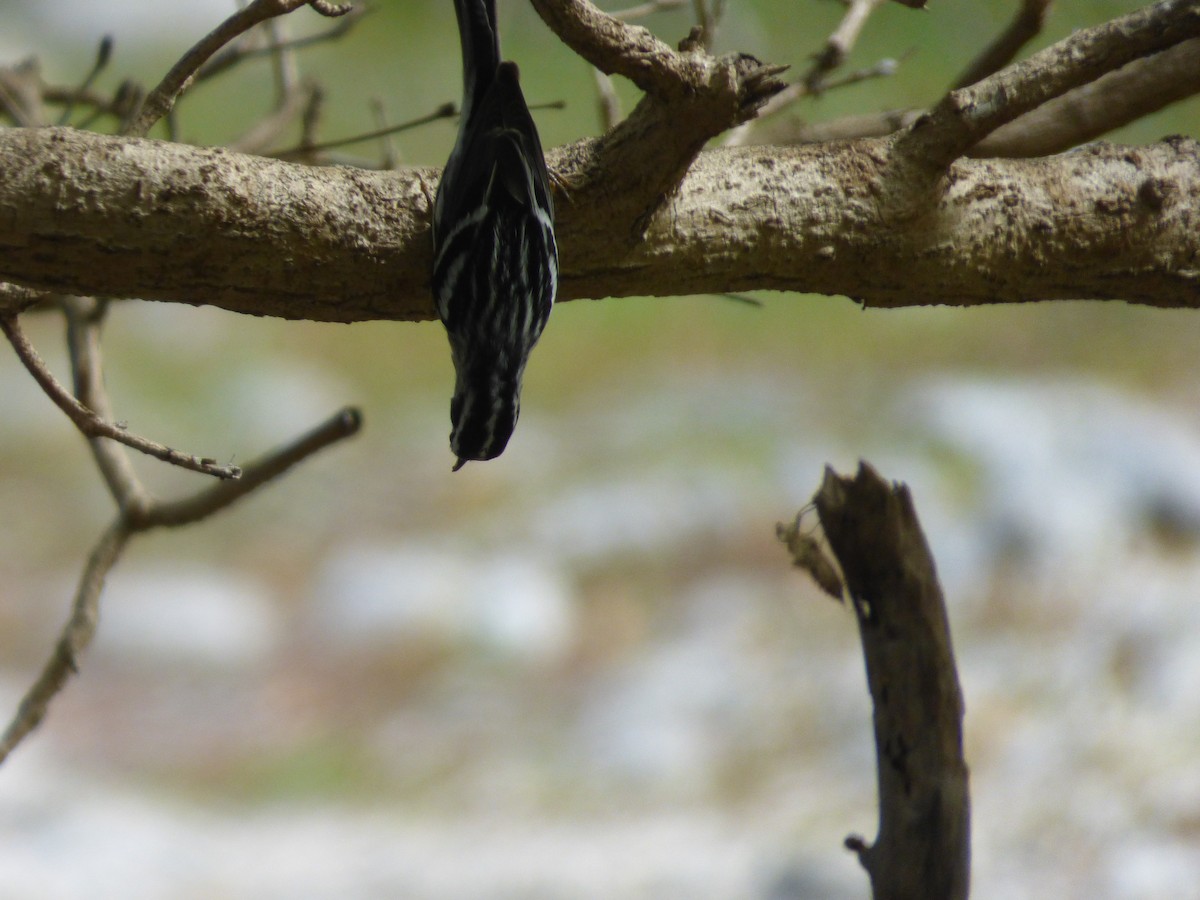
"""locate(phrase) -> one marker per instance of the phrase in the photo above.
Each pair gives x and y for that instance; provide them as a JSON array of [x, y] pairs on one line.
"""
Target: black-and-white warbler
[[495, 267]]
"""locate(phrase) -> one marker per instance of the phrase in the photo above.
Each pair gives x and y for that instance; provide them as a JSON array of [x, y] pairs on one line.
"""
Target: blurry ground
[[586, 669]]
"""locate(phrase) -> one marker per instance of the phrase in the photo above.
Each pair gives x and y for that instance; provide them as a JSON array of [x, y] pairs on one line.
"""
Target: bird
[[495, 269]]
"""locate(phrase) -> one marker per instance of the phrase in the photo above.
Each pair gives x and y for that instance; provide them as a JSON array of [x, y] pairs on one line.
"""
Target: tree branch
[[132, 519], [923, 846], [1025, 26], [88, 422], [615, 47], [1138, 89], [85, 213], [966, 116], [75, 637], [216, 497], [839, 44], [1084, 114], [160, 100]]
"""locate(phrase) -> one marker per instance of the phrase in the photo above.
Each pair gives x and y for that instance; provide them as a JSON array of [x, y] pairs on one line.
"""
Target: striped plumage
[[495, 261]]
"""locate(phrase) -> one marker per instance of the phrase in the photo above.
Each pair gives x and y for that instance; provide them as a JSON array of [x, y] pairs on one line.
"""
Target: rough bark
[[91, 214]]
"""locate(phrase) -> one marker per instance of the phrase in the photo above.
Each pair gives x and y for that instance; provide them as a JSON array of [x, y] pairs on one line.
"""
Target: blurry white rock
[[638, 514], [373, 596], [269, 404], [192, 614], [1065, 468]]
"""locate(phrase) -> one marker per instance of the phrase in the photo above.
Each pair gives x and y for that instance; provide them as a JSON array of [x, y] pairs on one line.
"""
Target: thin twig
[[268, 130], [839, 44], [740, 136], [15, 298], [708, 17], [236, 53], [21, 90], [91, 424], [103, 55], [85, 316], [744, 299], [80, 626], [160, 100], [283, 61], [817, 81], [445, 111], [75, 637], [642, 10], [607, 100], [389, 157], [216, 497], [1024, 27]]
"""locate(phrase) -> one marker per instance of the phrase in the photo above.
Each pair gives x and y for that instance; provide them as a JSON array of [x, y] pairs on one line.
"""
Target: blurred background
[[587, 669]]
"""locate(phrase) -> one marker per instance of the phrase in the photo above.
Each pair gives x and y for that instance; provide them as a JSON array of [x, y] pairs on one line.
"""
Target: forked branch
[[968, 115], [160, 100]]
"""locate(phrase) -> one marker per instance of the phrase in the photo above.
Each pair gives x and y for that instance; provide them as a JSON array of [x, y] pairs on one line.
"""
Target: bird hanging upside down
[[495, 267]]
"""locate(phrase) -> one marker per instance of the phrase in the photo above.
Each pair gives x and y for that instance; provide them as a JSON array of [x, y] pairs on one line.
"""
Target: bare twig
[[746, 133], [839, 44], [389, 157], [1084, 114], [13, 296], [613, 46], [966, 116], [445, 111], [708, 17], [607, 100], [103, 55], [91, 424], [90, 410], [267, 130], [1024, 27], [84, 317], [809, 555], [216, 497], [21, 93], [75, 637], [642, 10], [234, 54], [817, 80], [160, 100], [80, 627]]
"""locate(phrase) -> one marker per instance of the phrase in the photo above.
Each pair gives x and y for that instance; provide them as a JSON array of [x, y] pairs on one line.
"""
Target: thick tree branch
[[85, 213], [691, 97]]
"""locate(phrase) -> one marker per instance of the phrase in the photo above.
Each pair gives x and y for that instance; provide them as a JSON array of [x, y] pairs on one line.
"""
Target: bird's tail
[[480, 48]]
